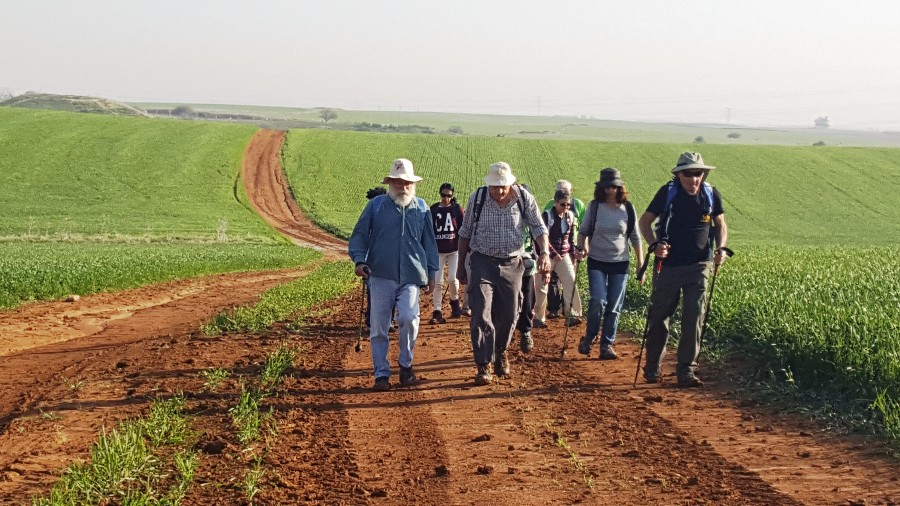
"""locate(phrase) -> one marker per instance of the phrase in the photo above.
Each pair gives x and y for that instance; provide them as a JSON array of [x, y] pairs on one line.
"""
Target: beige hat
[[690, 160], [562, 184], [499, 175], [402, 168]]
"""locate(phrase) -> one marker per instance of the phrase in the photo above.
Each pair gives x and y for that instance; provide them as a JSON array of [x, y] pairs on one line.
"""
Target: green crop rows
[[773, 194], [84, 176], [40, 271], [291, 300]]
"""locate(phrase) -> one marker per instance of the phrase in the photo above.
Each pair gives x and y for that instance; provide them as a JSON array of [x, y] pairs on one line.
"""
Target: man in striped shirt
[[494, 231]]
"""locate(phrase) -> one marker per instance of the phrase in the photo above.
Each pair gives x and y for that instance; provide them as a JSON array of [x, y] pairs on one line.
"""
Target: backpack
[[629, 210], [481, 194], [662, 224]]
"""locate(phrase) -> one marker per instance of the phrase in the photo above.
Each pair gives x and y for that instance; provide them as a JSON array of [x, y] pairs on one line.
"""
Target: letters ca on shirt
[[444, 225]]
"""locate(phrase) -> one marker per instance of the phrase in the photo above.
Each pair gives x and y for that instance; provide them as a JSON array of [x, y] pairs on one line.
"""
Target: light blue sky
[[760, 62]]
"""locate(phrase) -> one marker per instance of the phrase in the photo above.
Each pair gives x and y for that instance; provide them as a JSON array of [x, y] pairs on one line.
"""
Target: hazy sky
[[771, 62]]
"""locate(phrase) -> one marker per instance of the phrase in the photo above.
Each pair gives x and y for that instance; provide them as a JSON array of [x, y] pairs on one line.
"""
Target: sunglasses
[[564, 204], [692, 173], [448, 195]]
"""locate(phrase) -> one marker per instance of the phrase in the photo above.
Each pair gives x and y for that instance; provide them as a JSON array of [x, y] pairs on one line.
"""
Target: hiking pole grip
[[643, 268]]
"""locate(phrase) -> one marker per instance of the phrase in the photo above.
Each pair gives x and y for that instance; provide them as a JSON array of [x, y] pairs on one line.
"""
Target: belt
[[498, 259]]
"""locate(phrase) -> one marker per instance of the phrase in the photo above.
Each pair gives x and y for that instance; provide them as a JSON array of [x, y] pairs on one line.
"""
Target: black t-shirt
[[689, 225], [447, 221]]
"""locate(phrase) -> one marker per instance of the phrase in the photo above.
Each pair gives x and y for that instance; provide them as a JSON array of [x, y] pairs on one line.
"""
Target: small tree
[[327, 114], [822, 122], [184, 111], [699, 139], [734, 135], [819, 143], [455, 130]]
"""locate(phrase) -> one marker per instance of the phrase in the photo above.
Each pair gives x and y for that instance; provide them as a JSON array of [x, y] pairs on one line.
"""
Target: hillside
[[72, 103], [773, 194], [68, 175]]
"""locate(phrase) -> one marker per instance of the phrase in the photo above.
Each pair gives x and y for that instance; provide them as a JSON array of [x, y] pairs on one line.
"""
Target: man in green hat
[[690, 217]]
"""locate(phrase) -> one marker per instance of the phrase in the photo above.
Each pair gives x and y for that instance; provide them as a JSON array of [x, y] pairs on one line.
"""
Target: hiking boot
[[382, 384], [689, 380], [436, 317], [455, 309], [483, 377], [501, 365], [573, 321], [608, 353], [538, 324], [652, 374], [585, 345], [407, 376], [466, 311], [526, 342], [553, 315]]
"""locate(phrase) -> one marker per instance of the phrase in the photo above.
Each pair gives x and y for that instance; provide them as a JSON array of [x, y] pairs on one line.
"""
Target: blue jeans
[[607, 297], [387, 293]]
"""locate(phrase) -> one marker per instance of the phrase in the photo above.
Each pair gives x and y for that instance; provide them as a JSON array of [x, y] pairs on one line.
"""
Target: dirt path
[[558, 432]]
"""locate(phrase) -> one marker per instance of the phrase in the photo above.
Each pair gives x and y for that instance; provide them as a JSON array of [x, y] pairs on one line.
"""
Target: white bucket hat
[[402, 168], [690, 160], [499, 175]]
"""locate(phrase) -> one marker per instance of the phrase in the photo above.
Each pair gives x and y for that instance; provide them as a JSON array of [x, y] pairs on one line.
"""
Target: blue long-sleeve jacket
[[396, 243]]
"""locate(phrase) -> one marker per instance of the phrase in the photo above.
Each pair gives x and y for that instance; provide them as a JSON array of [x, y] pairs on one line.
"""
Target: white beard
[[402, 199]]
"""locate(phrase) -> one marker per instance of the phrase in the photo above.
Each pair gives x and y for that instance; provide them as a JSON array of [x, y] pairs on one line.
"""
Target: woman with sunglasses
[[448, 217], [604, 237], [563, 225]]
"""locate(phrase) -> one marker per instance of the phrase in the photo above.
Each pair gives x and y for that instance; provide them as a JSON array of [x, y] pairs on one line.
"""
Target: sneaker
[[689, 381], [382, 384], [573, 321], [538, 324], [484, 376], [466, 311], [501, 365], [608, 353], [526, 342], [407, 376], [584, 346], [455, 309], [652, 374], [436, 317], [553, 315]]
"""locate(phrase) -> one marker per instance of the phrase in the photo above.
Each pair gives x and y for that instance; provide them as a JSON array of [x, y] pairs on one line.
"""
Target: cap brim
[[413, 179], [679, 168], [497, 181]]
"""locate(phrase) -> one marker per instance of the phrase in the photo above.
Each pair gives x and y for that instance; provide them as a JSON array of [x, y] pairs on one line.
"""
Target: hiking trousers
[[450, 260], [386, 293], [562, 266], [687, 282], [495, 297]]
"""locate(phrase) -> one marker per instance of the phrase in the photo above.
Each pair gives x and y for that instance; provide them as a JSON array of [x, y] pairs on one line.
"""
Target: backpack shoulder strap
[[708, 192], [591, 217], [521, 200], [632, 218]]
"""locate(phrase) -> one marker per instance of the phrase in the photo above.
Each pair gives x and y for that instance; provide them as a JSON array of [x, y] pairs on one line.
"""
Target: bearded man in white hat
[[691, 217], [394, 249], [494, 231]]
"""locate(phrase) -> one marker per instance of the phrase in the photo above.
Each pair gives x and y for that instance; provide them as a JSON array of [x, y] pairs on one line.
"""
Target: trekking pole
[[712, 291], [640, 275], [565, 344], [362, 311]]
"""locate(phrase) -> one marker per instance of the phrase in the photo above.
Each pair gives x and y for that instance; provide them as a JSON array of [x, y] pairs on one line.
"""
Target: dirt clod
[[483, 437], [485, 469]]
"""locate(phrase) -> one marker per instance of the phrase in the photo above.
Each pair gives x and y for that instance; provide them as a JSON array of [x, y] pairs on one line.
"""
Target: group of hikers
[[506, 251]]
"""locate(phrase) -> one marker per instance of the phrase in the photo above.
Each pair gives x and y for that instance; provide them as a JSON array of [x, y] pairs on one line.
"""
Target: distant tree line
[[404, 129]]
